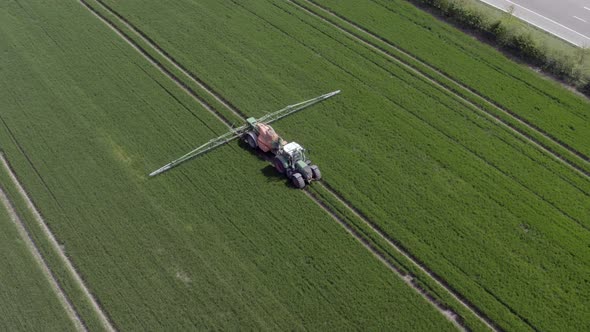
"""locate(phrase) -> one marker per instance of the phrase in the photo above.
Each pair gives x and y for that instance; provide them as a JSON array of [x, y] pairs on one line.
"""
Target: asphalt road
[[567, 19]]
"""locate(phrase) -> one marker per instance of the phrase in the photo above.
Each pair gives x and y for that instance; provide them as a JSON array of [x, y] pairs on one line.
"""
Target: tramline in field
[[289, 157]]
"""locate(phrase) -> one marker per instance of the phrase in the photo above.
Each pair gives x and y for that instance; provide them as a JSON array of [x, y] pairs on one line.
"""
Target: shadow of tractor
[[269, 171]]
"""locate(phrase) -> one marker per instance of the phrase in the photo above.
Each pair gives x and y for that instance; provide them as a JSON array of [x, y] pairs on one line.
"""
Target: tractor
[[289, 158]]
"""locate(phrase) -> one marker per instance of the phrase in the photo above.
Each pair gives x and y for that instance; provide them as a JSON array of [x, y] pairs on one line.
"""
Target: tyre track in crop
[[156, 64], [469, 89], [453, 317], [438, 280], [29, 161], [407, 279], [421, 119], [444, 134], [56, 247], [411, 258], [495, 118], [145, 38], [475, 56], [32, 248]]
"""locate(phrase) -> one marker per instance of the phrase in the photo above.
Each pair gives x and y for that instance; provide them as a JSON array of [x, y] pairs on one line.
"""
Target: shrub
[[523, 45], [560, 65], [528, 48], [585, 89]]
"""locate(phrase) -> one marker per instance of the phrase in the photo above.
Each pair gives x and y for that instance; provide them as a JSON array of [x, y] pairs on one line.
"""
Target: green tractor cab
[[291, 161]]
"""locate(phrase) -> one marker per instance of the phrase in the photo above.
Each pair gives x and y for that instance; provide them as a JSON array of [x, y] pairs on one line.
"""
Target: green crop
[[222, 242], [541, 102], [219, 243], [26, 300], [499, 220]]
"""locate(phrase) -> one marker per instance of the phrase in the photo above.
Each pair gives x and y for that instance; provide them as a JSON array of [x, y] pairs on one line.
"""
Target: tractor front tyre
[[298, 181], [315, 171], [279, 165], [252, 140]]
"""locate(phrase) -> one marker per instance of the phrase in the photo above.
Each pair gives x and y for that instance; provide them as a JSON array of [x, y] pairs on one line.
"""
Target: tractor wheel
[[298, 181], [307, 174], [279, 165], [315, 170], [251, 138]]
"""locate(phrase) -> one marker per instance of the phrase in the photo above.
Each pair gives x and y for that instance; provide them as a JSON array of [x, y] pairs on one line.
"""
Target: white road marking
[[586, 8], [491, 3], [581, 19]]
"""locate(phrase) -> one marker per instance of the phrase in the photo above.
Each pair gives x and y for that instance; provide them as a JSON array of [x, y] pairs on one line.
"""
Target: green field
[[219, 244], [541, 102], [222, 242], [27, 303]]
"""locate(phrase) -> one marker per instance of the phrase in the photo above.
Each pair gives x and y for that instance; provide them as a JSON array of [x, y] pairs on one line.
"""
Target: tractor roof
[[291, 147]]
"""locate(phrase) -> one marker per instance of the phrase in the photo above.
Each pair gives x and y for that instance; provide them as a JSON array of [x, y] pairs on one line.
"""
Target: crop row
[[26, 300], [455, 188], [127, 31], [426, 281], [426, 284], [547, 106], [215, 244], [63, 277], [561, 151]]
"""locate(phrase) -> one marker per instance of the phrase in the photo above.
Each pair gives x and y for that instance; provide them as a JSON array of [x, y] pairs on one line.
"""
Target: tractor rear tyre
[[315, 170], [298, 181], [251, 139], [279, 165], [307, 174]]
